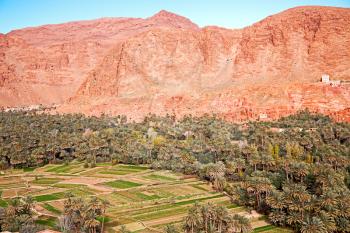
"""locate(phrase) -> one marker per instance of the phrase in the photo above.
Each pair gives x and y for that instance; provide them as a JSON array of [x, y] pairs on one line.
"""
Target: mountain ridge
[[167, 64], [297, 8]]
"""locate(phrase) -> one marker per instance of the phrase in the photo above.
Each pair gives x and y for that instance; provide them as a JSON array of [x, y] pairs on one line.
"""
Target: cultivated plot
[[142, 199]]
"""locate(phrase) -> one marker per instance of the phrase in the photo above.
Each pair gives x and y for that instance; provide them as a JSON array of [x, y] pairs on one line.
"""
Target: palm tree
[[276, 200], [254, 160], [91, 223], [302, 171], [205, 214], [28, 203], [76, 214], [328, 221], [105, 203], [94, 205], [266, 161], [277, 217], [221, 215], [343, 224], [294, 219], [65, 223], [239, 224], [239, 164], [313, 225], [15, 204], [191, 222], [245, 225], [230, 168], [216, 173], [286, 166], [297, 197], [212, 215], [328, 199], [259, 187], [299, 170]]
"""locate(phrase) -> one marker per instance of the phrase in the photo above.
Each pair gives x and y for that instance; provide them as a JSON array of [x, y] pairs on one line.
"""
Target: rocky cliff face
[[167, 64]]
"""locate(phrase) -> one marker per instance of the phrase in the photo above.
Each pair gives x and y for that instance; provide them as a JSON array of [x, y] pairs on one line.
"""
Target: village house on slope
[[326, 80]]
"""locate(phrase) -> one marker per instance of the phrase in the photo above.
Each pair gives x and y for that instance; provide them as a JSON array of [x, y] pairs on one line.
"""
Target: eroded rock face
[[167, 64]]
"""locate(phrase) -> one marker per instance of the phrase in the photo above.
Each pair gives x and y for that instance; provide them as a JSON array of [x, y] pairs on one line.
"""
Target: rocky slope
[[167, 64]]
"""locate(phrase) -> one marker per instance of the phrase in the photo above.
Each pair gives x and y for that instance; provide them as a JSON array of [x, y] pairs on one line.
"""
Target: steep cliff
[[167, 64]]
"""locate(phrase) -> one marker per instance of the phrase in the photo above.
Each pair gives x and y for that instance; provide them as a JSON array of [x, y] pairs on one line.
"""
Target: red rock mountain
[[167, 64]]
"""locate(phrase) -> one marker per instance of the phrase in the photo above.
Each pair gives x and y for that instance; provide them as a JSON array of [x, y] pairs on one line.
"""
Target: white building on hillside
[[325, 78], [263, 116]]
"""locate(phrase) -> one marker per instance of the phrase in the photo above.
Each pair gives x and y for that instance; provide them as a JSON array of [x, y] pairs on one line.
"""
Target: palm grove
[[295, 170], [79, 215]]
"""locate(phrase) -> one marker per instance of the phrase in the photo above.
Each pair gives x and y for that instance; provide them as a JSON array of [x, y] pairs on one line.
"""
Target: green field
[[50, 208], [45, 181], [140, 198], [122, 184], [49, 197], [159, 177], [123, 170], [271, 229], [50, 222]]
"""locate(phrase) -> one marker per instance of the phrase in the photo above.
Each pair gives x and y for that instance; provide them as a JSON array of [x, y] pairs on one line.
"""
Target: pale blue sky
[[16, 14]]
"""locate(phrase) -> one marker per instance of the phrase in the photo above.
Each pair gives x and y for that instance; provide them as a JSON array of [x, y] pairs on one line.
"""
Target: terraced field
[[143, 200]]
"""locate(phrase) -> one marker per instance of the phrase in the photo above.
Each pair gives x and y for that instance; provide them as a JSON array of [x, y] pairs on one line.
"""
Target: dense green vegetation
[[18, 216], [83, 216], [295, 170], [213, 218]]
